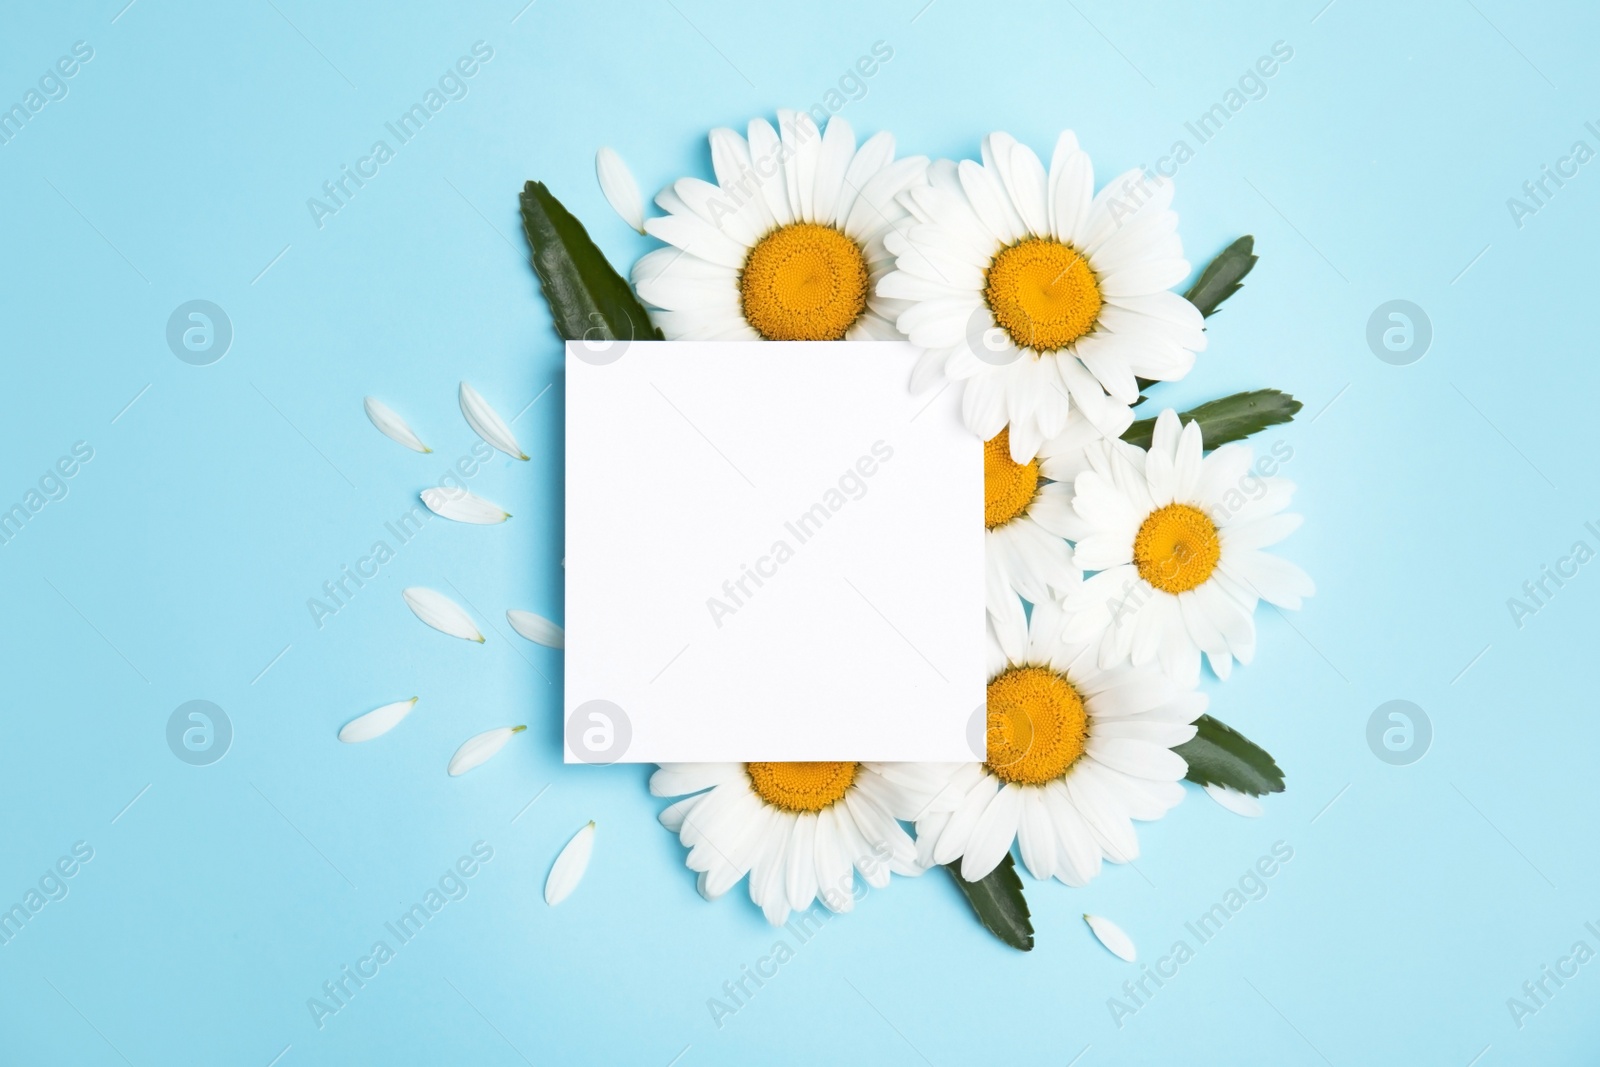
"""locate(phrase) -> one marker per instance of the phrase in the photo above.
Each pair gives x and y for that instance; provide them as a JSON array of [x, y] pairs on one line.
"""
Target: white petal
[[957, 832], [1036, 836], [487, 423], [567, 871], [800, 878], [537, 628], [1269, 577], [1079, 854], [441, 613], [462, 506], [838, 149], [835, 873], [1071, 189], [766, 873], [873, 156], [767, 155], [673, 815], [1235, 801], [392, 426], [376, 723], [988, 200], [993, 834], [803, 142], [1027, 183], [478, 749], [731, 163], [689, 231], [1112, 937], [622, 192], [681, 779]]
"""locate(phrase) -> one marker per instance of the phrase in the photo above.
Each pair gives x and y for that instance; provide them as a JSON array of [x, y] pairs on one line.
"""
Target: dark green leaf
[[997, 898], [1221, 755], [1230, 418], [1223, 276], [587, 298]]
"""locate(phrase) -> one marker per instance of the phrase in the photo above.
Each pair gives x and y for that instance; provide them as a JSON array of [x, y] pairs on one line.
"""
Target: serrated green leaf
[[1221, 755], [1229, 418], [587, 297], [998, 901], [1223, 276]]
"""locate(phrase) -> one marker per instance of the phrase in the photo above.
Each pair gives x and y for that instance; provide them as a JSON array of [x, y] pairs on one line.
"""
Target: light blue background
[[1376, 167]]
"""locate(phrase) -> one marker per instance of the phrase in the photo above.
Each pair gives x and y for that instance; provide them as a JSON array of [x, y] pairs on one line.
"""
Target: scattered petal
[[393, 426], [376, 723], [487, 423], [478, 749], [1112, 937], [1235, 801], [567, 871], [537, 628], [622, 192], [462, 506], [441, 613]]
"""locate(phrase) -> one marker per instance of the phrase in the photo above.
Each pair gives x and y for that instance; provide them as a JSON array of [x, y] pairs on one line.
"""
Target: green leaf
[[1221, 755], [1223, 276], [1230, 418], [587, 297], [997, 898]]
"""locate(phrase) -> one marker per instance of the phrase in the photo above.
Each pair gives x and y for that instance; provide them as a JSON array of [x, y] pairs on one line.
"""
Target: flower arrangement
[[1120, 550]]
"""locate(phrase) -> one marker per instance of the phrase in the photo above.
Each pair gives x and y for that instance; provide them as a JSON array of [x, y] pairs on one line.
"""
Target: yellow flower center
[[1042, 293], [801, 786], [1008, 487], [804, 282], [1037, 725], [1177, 548]]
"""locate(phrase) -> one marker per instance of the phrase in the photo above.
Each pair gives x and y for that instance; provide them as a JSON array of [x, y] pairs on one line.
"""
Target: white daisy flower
[[799, 830], [1039, 294], [1074, 754], [1177, 537], [787, 245], [1027, 512]]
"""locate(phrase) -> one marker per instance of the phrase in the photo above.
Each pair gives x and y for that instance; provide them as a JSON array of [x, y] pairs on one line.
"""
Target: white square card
[[773, 552]]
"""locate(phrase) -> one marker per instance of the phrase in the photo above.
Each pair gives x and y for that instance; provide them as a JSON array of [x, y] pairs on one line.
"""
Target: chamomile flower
[[1074, 754], [787, 244], [799, 830], [1039, 294], [1027, 511], [1177, 539]]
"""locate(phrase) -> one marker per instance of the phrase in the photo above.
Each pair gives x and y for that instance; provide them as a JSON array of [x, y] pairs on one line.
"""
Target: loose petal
[[1112, 937], [1235, 801], [477, 750], [376, 723], [537, 628], [462, 506], [487, 423], [392, 426], [568, 869], [441, 613], [622, 192]]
